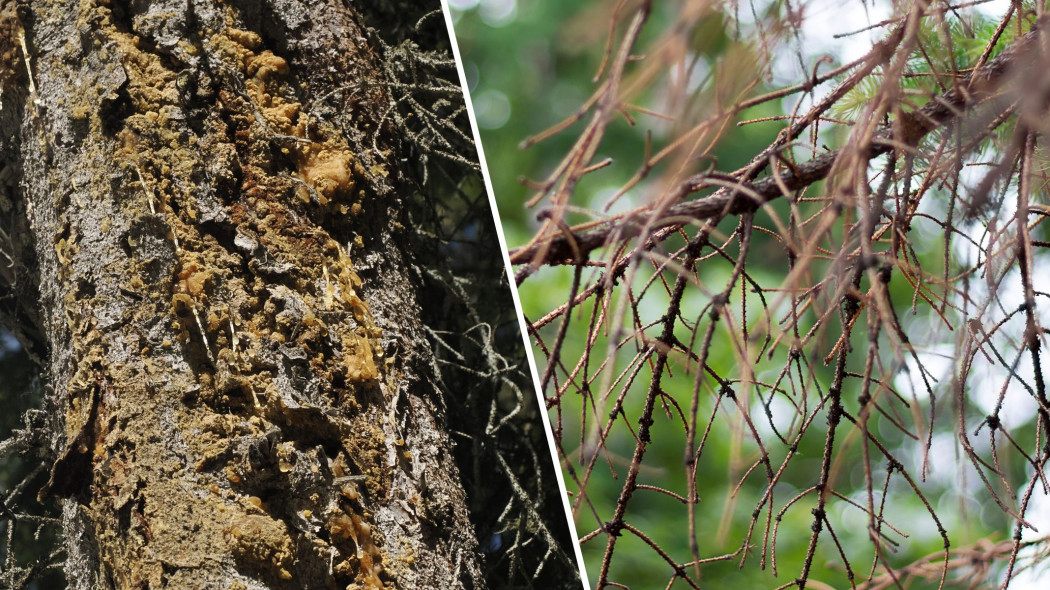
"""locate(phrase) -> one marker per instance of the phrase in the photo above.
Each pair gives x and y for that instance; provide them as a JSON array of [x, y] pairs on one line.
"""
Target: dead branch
[[734, 197]]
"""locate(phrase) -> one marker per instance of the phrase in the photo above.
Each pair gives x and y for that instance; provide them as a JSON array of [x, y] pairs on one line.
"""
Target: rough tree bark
[[204, 252]]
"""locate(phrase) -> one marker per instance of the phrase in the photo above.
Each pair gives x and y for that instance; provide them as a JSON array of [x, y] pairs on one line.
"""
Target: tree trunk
[[238, 370]]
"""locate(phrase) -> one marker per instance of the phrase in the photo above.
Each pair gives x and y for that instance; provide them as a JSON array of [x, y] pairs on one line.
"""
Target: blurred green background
[[531, 64]]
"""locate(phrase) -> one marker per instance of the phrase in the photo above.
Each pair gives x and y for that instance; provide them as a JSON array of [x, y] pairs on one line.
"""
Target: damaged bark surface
[[237, 364]]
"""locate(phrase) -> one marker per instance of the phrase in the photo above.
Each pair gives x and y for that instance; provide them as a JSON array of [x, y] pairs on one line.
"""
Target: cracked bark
[[205, 209]]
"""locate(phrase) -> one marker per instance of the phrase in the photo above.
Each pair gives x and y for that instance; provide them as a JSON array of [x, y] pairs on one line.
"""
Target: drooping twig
[[735, 197]]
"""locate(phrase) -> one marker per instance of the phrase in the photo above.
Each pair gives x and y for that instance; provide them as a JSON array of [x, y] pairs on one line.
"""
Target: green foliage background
[[542, 60]]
